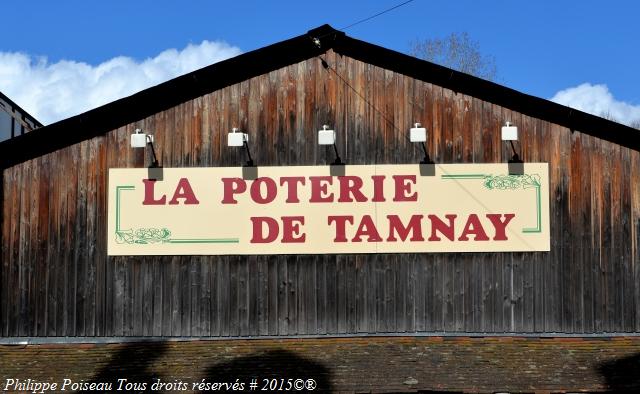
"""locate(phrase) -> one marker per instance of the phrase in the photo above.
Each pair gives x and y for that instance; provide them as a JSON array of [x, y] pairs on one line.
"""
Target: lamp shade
[[140, 139], [509, 132], [418, 133], [326, 136], [236, 138]]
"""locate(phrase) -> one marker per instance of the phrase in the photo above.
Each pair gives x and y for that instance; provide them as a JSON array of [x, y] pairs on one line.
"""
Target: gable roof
[[14, 110], [108, 117]]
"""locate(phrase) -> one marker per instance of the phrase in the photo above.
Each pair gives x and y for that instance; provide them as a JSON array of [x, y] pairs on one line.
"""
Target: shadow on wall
[[622, 375], [270, 369], [133, 362], [271, 366]]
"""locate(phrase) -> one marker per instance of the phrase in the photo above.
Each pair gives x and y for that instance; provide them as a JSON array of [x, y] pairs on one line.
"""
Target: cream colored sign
[[306, 210]]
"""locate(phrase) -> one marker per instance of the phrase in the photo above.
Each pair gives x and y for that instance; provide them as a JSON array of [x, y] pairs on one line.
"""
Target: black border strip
[[121, 112]]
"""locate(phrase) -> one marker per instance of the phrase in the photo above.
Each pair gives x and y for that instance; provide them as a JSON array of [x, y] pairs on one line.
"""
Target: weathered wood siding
[[56, 279]]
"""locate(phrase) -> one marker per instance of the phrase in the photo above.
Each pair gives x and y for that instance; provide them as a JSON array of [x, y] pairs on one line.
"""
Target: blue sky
[[540, 47]]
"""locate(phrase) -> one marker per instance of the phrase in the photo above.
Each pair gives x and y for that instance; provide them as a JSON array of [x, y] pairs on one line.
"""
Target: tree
[[457, 51], [609, 116]]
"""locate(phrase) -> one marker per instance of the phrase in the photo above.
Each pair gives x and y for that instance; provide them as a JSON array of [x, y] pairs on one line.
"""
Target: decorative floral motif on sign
[[511, 182], [143, 236]]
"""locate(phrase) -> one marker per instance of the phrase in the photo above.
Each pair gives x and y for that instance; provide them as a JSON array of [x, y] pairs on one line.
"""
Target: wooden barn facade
[[57, 280]]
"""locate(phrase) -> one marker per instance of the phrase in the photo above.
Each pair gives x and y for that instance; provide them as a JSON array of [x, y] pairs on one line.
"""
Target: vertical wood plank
[[423, 289], [402, 286], [79, 223], [92, 286], [234, 297], [292, 295], [274, 290], [321, 295], [41, 238], [166, 267], [158, 300], [283, 292], [24, 265], [626, 238], [214, 318], [14, 253], [439, 283], [4, 255], [596, 202], [586, 259], [254, 313], [634, 181], [145, 303], [390, 312], [261, 285], [224, 296], [617, 244], [552, 293], [197, 304], [54, 228], [341, 296]]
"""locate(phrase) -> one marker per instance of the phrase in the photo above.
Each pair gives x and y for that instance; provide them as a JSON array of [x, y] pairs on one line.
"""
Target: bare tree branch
[[457, 51]]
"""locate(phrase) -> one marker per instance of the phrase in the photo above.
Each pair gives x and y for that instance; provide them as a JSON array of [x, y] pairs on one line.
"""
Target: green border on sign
[[144, 236], [504, 182]]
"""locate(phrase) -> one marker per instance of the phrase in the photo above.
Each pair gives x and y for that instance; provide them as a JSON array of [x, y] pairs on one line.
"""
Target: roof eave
[[161, 97], [459, 82], [138, 106]]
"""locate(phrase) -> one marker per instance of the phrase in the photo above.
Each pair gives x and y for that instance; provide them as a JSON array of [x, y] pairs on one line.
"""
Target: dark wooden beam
[[2, 261]]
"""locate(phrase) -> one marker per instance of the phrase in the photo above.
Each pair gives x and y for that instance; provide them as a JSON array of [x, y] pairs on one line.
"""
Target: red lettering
[[403, 188], [378, 188], [340, 222], [319, 192], [292, 187], [256, 190], [414, 226], [184, 191], [149, 195], [350, 189], [258, 235], [367, 228], [499, 225], [232, 186], [438, 225], [474, 227], [291, 228]]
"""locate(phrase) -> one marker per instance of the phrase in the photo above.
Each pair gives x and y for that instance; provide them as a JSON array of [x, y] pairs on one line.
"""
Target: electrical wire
[[375, 109], [328, 67], [362, 21], [375, 16]]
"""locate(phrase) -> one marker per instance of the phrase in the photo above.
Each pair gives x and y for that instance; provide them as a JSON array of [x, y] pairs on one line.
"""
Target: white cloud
[[55, 91], [598, 100]]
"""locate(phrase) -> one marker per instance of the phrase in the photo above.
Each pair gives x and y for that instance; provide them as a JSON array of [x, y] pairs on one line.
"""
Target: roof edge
[[12, 103], [315, 42], [163, 96], [459, 82]]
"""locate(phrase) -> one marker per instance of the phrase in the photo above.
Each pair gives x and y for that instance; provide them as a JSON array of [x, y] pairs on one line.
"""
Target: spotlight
[[237, 138], [419, 134], [509, 132], [515, 164], [140, 140], [327, 136]]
